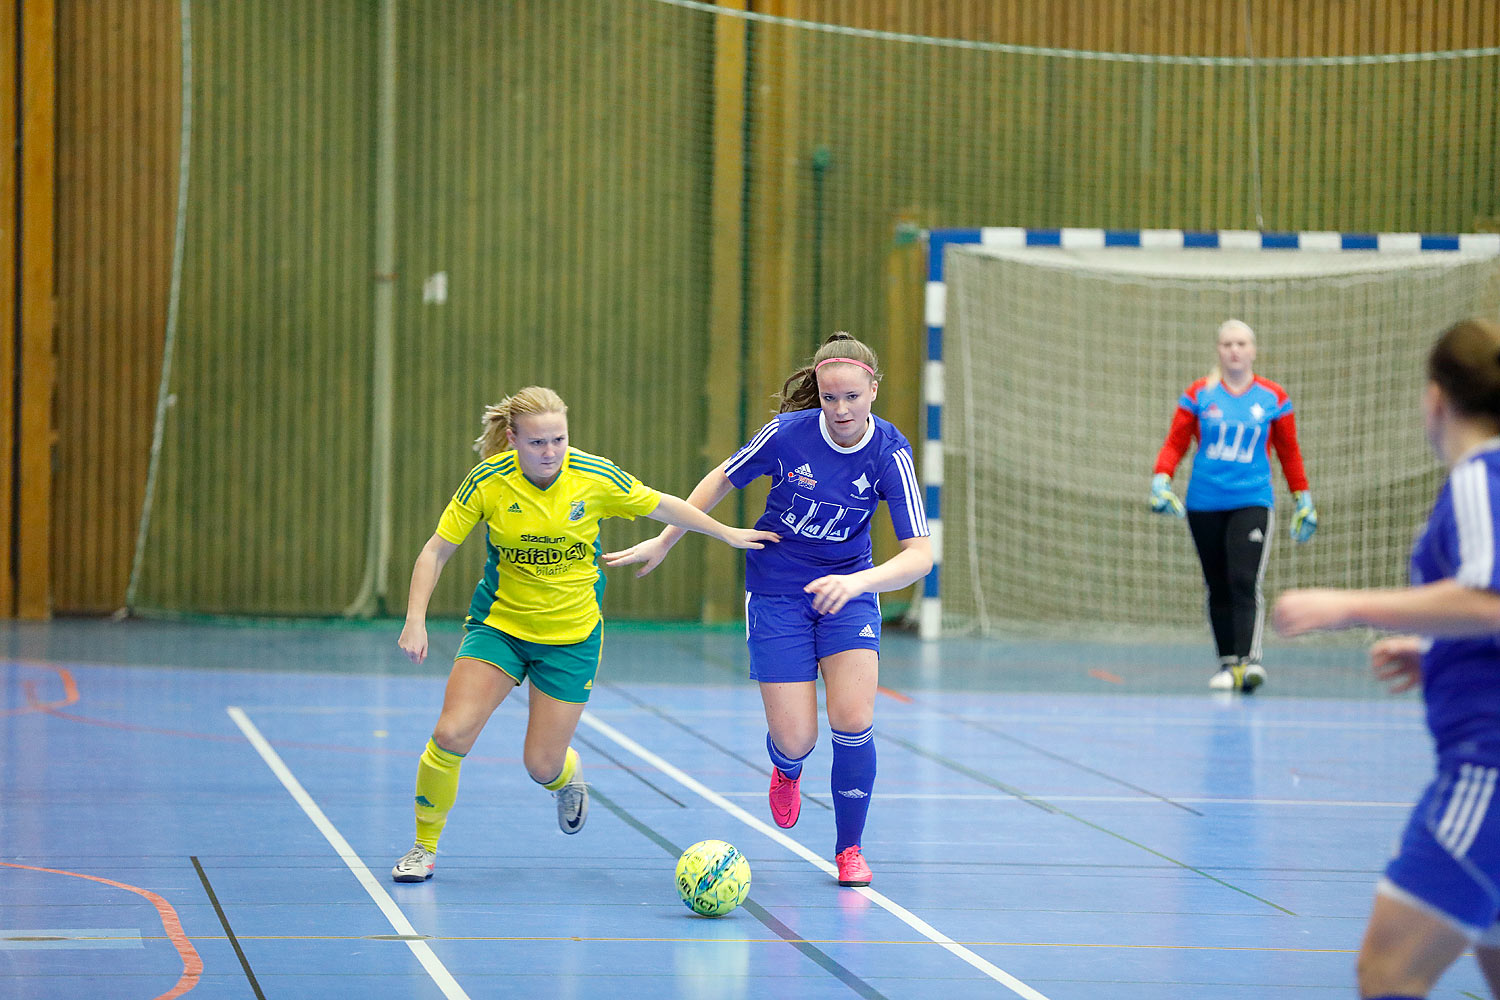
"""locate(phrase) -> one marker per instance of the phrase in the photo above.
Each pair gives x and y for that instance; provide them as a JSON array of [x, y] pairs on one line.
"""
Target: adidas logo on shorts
[[867, 633]]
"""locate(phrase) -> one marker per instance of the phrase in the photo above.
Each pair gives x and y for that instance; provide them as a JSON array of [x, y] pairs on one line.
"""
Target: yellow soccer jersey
[[540, 579]]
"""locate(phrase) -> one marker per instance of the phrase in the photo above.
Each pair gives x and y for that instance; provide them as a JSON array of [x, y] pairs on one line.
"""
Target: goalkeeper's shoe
[[1240, 677], [1253, 676], [1304, 518], [1163, 500]]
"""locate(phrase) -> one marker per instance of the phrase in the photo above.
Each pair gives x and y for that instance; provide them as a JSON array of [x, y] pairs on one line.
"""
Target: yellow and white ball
[[712, 878]]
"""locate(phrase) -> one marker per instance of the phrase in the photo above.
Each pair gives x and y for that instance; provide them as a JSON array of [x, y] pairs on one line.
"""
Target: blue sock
[[789, 766], [853, 779]]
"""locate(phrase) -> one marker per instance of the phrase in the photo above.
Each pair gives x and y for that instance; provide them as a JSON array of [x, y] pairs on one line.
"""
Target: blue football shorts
[[787, 637], [1448, 860]]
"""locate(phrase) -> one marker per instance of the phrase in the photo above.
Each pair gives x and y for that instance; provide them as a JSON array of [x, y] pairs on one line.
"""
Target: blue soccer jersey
[[822, 498], [1232, 466], [1461, 677]]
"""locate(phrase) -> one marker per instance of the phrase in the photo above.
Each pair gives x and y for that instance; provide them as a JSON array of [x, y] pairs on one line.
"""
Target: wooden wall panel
[[37, 357], [117, 143], [9, 261]]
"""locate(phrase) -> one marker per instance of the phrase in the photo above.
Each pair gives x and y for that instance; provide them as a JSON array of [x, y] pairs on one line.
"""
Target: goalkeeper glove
[[1305, 518], [1163, 500]]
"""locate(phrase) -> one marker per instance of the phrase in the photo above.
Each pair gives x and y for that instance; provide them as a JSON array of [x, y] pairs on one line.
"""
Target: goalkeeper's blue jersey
[[1461, 677], [1232, 467], [823, 496]]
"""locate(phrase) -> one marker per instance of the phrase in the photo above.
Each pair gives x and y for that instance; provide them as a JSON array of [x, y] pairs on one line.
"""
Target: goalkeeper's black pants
[[1233, 546]]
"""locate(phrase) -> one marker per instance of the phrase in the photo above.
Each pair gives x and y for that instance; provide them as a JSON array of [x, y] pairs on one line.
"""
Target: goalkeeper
[[1237, 417]]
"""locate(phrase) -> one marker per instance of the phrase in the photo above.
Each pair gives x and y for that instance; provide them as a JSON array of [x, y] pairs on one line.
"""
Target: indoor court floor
[[212, 810]]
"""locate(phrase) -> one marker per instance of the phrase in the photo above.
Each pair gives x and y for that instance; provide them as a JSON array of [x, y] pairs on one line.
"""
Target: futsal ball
[[712, 878]]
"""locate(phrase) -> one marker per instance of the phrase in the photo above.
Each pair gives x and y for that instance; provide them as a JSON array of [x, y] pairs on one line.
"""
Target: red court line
[[1105, 675], [70, 692], [906, 699], [192, 963]]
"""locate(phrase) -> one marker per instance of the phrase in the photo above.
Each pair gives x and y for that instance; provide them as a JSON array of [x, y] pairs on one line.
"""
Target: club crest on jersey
[[802, 475], [861, 484], [575, 510], [1257, 411]]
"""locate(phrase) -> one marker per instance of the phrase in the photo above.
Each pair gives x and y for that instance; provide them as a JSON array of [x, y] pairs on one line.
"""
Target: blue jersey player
[[810, 605], [1238, 417], [1441, 892]]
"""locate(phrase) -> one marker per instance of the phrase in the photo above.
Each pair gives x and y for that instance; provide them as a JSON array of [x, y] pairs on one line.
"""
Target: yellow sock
[[570, 768], [437, 788]]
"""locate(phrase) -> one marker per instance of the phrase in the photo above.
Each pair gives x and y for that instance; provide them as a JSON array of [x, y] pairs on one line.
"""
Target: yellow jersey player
[[535, 613]]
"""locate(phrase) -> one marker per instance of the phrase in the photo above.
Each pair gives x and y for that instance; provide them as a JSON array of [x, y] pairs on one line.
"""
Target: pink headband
[[847, 361]]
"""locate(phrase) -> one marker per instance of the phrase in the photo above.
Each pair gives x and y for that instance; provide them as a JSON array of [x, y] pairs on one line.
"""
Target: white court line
[[398, 921], [913, 921]]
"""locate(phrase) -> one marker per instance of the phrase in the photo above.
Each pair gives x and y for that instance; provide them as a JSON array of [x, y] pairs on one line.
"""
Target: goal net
[[1062, 370]]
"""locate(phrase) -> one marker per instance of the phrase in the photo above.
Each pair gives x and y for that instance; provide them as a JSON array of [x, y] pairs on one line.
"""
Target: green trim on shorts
[[563, 672]]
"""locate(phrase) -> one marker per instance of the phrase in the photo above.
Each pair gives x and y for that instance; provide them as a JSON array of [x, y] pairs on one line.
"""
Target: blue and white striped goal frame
[[930, 613]]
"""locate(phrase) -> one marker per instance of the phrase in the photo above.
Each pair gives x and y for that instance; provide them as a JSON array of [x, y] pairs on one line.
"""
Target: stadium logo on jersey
[[575, 511], [514, 508], [803, 476], [867, 633], [861, 484]]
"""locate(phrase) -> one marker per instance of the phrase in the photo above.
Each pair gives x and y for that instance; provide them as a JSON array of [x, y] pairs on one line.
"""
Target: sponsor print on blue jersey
[[823, 496], [1461, 677], [1232, 467]]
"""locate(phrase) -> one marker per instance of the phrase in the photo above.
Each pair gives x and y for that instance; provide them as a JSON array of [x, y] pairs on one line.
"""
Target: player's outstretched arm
[[424, 578], [1444, 608], [681, 514], [711, 489]]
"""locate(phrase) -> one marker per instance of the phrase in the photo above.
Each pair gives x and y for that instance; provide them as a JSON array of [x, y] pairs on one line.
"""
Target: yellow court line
[[544, 939]]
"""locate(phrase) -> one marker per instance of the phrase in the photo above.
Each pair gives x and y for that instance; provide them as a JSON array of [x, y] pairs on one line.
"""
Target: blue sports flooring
[[212, 810]]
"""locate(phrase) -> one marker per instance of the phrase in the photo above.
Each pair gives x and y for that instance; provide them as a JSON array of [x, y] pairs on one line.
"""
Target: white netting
[[1063, 370]]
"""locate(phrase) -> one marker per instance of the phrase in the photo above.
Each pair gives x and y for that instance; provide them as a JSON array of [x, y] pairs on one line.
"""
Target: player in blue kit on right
[[810, 605], [1237, 417], [1441, 892]]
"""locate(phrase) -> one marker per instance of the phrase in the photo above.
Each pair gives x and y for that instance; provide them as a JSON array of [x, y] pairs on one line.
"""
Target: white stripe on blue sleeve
[[916, 512], [742, 456], [1475, 520]]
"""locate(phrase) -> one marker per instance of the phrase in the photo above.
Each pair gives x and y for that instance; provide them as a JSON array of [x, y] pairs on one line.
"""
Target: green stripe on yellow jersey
[[542, 567], [606, 469]]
